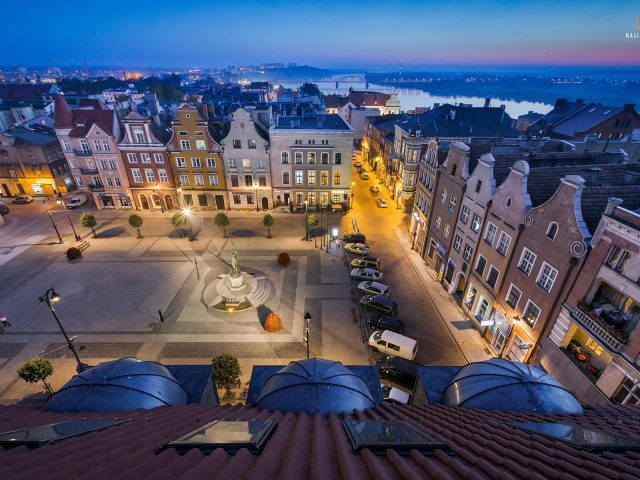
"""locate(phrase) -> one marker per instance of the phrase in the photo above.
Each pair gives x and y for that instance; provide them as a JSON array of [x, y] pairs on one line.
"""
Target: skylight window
[[400, 436], [579, 437], [46, 434], [230, 436]]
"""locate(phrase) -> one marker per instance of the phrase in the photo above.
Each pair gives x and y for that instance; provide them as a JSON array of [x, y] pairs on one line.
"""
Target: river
[[412, 98]]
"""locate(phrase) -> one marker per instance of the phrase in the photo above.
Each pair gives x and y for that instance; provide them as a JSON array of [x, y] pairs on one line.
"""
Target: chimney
[[560, 102], [487, 102], [612, 204], [452, 114], [629, 106], [579, 101]]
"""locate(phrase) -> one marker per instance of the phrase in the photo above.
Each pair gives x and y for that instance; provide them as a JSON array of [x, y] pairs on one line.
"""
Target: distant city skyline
[[330, 34]]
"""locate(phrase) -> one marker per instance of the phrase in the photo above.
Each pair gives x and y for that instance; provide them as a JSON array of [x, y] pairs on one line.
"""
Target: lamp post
[[256, 185], [157, 190], [306, 221], [307, 317], [50, 297], [186, 211], [75, 234], [352, 195], [53, 224]]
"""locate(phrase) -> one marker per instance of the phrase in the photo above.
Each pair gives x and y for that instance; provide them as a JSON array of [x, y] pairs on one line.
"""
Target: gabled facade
[[246, 163], [89, 136], [502, 225], [144, 156], [196, 162], [452, 175], [594, 343], [480, 188]]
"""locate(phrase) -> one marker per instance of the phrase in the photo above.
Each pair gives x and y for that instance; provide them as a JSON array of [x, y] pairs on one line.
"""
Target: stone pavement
[[473, 346]]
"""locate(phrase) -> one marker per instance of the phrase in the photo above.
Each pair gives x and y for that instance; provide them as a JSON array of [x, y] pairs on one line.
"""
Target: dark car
[[354, 238], [4, 209], [366, 262], [398, 370], [386, 322], [380, 304]]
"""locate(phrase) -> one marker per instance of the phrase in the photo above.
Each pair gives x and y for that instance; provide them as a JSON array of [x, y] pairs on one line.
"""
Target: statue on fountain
[[234, 272]]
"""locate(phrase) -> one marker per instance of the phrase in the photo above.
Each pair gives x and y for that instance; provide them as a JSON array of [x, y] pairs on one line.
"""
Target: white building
[[246, 163], [311, 160]]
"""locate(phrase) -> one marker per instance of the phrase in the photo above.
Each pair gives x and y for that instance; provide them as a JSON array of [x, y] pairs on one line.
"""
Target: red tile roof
[[81, 119], [362, 99], [306, 446]]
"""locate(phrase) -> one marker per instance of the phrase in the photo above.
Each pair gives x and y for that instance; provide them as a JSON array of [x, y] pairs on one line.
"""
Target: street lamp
[[307, 317], [157, 190], [186, 211], [61, 202], [352, 195], [53, 224], [256, 185], [306, 221], [50, 297]]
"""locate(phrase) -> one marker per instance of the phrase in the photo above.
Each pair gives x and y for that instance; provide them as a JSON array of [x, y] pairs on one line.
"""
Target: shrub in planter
[[273, 323], [73, 253], [284, 259]]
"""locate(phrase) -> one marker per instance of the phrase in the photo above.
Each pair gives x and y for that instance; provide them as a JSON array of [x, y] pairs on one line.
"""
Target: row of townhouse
[[508, 233], [137, 161]]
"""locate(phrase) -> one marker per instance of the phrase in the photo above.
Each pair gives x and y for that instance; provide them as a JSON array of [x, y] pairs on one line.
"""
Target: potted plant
[[73, 253], [273, 323], [284, 259]]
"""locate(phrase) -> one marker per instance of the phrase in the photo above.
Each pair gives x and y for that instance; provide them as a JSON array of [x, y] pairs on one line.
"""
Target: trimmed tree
[[135, 221], [226, 370], [267, 221], [179, 220], [273, 323], [37, 370], [222, 221], [313, 220], [89, 221]]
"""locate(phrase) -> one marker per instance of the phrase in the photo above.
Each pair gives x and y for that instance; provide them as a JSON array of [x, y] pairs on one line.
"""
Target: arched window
[[552, 230]]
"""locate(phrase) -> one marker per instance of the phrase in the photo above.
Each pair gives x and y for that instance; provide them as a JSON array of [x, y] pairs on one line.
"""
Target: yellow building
[[196, 161], [32, 163]]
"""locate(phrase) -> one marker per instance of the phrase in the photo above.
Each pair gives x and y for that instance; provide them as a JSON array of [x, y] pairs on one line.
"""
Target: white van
[[77, 200], [392, 343]]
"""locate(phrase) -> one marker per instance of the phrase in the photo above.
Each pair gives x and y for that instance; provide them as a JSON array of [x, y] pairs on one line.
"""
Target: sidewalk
[[473, 346]]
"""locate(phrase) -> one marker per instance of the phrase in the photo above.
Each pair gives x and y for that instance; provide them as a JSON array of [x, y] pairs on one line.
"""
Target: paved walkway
[[473, 346]]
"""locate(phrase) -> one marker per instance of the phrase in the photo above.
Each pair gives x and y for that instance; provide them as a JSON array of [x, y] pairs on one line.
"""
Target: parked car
[[392, 343], [364, 176], [357, 164], [374, 188], [22, 199], [380, 304], [393, 394], [386, 322], [354, 238], [4, 209], [366, 274], [357, 248], [382, 203], [398, 370], [77, 200], [366, 262], [373, 288]]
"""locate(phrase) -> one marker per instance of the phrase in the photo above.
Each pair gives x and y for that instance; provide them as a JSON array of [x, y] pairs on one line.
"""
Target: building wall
[[283, 141], [423, 205], [242, 161], [189, 127]]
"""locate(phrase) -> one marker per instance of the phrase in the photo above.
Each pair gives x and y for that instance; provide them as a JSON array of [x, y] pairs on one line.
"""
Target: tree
[[179, 220], [267, 221], [226, 370], [310, 89], [222, 221], [135, 221], [35, 370], [89, 221], [313, 220]]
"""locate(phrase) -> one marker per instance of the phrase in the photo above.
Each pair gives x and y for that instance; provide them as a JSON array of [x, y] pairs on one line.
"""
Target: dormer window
[[139, 137], [552, 230]]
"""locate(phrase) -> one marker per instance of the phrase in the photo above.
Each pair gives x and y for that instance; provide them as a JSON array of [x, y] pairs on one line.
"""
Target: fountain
[[236, 290]]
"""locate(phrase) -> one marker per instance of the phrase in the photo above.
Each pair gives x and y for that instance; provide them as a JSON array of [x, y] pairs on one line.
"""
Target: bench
[[82, 246]]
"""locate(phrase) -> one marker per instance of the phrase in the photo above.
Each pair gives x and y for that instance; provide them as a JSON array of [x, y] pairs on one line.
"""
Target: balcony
[[83, 153], [97, 188], [602, 327], [89, 171]]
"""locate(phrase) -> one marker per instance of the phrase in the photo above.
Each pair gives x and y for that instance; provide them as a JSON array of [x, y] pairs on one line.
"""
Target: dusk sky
[[324, 33]]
